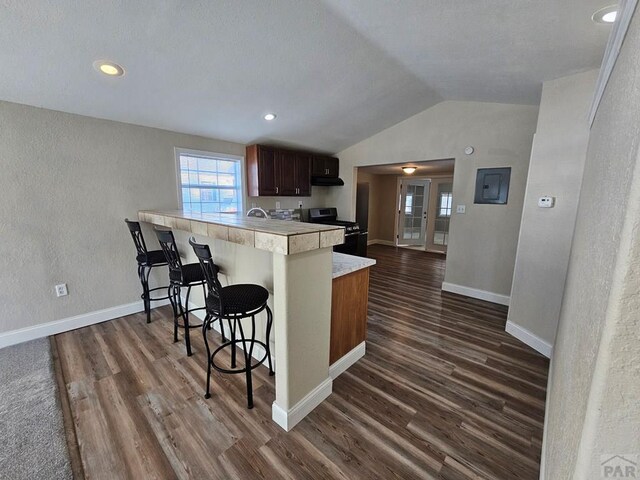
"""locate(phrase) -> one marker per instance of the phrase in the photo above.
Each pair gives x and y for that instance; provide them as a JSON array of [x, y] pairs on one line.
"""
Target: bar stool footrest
[[238, 370]]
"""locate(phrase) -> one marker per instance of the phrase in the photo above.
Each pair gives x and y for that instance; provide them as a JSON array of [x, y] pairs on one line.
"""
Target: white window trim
[[203, 153]]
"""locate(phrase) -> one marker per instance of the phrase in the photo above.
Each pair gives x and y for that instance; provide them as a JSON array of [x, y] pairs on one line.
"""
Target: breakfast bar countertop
[[277, 236]]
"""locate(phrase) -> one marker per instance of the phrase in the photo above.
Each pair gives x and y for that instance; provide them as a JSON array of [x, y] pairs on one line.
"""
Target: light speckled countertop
[[277, 236], [344, 264]]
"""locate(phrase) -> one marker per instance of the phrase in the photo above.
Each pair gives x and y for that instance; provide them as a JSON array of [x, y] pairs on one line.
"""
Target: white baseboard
[[347, 360], [381, 242], [476, 293], [288, 419], [525, 336], [66, 324]]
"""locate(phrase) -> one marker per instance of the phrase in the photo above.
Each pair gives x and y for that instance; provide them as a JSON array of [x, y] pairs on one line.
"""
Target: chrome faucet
[[257, 212]]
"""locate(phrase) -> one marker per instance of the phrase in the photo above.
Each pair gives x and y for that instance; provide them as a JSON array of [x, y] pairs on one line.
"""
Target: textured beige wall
[[483, 241], [67, 183], [557, 162], [594, 385]]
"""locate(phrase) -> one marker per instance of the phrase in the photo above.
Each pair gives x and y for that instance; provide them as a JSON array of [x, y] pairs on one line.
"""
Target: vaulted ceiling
[[334, 71]]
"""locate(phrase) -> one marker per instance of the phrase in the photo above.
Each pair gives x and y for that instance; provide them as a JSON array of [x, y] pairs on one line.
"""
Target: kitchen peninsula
[[295, 262]]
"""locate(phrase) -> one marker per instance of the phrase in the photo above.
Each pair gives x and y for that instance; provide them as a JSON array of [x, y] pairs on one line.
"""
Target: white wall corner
[[476, 293], [26, 334], [338, 367], [288, 419], [531, 339]]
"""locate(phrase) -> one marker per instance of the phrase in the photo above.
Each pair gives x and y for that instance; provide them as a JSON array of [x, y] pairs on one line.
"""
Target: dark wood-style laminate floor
[[443, 392]]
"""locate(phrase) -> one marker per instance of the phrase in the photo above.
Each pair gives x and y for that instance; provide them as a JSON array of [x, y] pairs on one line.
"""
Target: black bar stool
[[180, 276], [233, 303], [147, 260]]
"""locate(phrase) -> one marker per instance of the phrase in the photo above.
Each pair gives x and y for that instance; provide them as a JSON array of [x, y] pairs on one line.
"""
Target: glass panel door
[[440, 238], [412, 220]]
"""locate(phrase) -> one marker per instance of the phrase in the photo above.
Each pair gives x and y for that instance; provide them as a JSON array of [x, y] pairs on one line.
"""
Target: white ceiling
[[334, 71], [430, 167]]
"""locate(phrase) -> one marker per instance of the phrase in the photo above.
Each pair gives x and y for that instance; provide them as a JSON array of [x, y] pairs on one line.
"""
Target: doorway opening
[[409, 211]]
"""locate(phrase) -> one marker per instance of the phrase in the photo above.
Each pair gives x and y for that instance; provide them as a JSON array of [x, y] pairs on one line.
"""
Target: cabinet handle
[[276, 189]]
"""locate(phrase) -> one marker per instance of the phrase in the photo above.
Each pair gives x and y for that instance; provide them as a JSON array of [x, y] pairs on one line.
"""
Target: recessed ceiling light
[[409, 170], [108, 68], [606, 14], [270, 116]]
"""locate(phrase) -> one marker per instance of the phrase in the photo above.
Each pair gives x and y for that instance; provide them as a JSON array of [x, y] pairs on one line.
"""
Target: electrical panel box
[[492, 185]]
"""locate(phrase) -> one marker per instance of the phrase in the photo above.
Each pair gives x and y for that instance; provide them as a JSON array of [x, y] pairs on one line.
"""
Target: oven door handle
[[351, 234]]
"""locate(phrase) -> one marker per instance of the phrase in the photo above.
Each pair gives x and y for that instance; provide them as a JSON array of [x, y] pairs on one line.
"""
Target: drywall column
[[544, 244], [593, 413], [302, 313]]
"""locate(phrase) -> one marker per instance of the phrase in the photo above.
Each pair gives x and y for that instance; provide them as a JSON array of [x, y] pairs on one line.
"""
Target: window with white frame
[[209, 182], [444, 209]]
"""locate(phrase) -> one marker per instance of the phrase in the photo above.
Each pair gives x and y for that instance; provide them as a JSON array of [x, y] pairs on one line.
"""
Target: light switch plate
[[461, 208], [277, 205]]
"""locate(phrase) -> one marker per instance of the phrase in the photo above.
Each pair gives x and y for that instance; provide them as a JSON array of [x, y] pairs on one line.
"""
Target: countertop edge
[[344, 264]]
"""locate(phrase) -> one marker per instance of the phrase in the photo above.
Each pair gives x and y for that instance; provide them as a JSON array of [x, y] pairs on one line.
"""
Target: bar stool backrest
[[170, 249], [136, 234], [209, 268]]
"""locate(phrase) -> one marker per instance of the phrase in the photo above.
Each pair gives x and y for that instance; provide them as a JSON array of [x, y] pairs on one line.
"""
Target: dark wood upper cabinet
[[276, 172], [326, 167], [303, 174]]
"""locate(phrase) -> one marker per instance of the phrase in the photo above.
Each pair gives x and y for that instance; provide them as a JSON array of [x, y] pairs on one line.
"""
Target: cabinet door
[[303, 175], [286, 162], [331, 164], [317, 166], [267, 172]]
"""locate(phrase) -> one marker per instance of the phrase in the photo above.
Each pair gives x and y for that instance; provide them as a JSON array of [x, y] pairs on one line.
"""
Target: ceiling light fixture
[[108, 68], [270, 116], [409, 170], [606, 15]]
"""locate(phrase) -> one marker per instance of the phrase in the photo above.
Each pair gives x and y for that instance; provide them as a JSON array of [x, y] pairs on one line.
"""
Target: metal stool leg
[[247, 366], [177, 311], [267, 342], [185, 316], [233, 344], [207, 320], [147, 304]]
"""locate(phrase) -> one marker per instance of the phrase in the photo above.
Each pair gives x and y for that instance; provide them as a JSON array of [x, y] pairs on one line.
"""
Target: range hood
[[327, 181]]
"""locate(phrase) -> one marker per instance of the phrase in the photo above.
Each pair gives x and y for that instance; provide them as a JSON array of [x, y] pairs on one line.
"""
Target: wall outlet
[[277, 205], [253, 204], [300, 204], [546, 202], [61, 290], [461, 208]]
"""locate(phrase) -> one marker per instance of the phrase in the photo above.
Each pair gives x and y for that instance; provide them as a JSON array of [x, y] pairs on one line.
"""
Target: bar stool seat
[[189, 273], [152, 258], [239, 298]]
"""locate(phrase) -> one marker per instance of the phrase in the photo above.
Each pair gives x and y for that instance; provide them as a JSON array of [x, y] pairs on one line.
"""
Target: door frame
[[396, 232]]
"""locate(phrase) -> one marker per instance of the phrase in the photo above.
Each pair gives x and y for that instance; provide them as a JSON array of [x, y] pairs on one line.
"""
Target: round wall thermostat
[[469, 150]]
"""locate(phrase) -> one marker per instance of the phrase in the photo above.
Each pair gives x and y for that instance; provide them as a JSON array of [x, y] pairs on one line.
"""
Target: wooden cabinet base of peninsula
[[349, 299]]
